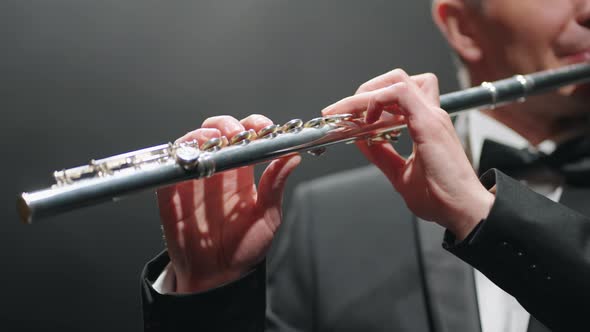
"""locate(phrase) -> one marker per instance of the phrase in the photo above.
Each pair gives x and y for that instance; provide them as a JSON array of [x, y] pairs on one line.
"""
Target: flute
[[109, 178]]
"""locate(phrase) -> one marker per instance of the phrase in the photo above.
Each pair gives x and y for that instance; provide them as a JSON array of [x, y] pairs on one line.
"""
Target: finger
[[427, 80], [255, 122], [354, 104], [272, 185], [166, 195], [382, 81], [385, 99], [236, 180], [428, 83], [400, 98], [201, 135], [358, 103], [227, 125], [385, 157]]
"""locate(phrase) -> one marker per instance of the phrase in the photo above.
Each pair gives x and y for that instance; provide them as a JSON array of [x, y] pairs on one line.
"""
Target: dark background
[[88, 79]]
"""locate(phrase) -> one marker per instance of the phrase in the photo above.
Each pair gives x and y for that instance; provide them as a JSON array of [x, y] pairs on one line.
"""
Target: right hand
[[436, 181], [218, 228]]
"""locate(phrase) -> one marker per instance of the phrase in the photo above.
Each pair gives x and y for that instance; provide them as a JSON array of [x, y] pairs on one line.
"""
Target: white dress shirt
[[498, 310]]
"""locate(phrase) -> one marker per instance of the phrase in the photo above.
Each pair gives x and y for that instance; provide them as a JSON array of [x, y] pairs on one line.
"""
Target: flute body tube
[[109, 178]]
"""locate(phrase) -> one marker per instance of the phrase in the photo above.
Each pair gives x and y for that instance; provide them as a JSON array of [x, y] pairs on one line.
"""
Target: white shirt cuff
[[166, 281]]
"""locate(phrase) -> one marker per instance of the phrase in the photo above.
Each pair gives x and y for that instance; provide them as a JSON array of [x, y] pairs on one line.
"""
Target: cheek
[[527, 31]]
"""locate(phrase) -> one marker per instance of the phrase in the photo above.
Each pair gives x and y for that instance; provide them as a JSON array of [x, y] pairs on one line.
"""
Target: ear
[[455, 19]]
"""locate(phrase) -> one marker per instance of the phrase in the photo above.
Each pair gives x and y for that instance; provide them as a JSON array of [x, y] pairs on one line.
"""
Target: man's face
[[523, 36]]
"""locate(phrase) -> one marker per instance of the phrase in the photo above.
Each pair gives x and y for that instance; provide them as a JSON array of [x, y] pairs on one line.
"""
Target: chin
[[574, 104], [582, 92]]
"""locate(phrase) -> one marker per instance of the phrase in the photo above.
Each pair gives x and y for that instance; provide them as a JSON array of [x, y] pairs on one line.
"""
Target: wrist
[[476, 209]]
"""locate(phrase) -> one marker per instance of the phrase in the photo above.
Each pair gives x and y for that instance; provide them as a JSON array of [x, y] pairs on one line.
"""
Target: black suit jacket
[[351, 257]]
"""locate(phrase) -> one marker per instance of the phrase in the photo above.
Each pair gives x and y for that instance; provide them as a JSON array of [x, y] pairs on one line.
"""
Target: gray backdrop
[[88, 79]]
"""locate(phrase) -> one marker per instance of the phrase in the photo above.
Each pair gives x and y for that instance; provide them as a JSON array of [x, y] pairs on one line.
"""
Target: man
[[352, 256]]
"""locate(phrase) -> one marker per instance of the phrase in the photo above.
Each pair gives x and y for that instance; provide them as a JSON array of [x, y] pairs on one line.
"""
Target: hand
[[437, 181], [218, 228]]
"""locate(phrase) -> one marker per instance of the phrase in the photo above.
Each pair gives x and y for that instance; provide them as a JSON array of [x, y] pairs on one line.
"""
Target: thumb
[[271, 187]]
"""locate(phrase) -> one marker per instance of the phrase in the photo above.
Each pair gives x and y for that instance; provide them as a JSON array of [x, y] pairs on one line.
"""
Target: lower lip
[[578, 57]]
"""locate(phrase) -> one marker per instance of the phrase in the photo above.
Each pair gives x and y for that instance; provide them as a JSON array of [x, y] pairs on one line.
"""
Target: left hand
[[437, 181], [218, 228]]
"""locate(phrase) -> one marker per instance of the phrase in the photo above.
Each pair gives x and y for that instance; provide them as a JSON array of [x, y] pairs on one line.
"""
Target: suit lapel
[[576, 198], [449, 283]]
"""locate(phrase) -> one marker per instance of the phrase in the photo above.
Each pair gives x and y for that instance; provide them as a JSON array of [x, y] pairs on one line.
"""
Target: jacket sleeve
[[535, 249], [241, 305], [237, 306]]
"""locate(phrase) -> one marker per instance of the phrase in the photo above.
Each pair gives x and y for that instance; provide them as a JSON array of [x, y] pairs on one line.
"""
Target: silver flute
[[107, 179]]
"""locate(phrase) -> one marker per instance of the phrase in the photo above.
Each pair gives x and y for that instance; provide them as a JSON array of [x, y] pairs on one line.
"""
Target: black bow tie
[[570, 159]]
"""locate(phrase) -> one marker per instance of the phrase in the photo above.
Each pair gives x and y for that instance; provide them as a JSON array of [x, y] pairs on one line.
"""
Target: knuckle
[[398, 72], [376, 100], [432, 78], [362, 88], [384, 97], [216, 120], [401, 88]]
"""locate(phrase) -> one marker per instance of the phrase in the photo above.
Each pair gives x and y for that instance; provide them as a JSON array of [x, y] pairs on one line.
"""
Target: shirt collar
[[473, 127]]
